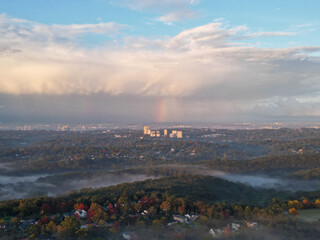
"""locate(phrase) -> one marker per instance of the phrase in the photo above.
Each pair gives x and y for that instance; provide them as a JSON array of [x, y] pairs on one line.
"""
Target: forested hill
[[147, 203], [307, 174], [285, 162], [195, 188]]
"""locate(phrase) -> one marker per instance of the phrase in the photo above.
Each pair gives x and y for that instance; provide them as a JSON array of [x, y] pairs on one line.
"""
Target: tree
[[80, 206], [27, 207], [210, 211], [247, 212], [51, 227], [181, 210], [293, 211], [45, 208], [165, 206], [69, 227], [34, 231], [99, 215], [156, 226]]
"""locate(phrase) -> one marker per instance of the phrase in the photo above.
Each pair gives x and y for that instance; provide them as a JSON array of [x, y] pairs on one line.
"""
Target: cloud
[[177, 16], [173, 11], [290, 106], [201, 72], [15, 31], [268, 34], [159, 5]]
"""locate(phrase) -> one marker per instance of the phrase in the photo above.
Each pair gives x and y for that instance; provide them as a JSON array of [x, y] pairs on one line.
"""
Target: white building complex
[[146, 130], [156, 133]]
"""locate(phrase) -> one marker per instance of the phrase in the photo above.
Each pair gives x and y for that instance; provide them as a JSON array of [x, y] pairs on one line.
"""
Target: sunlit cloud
[[202, 70]]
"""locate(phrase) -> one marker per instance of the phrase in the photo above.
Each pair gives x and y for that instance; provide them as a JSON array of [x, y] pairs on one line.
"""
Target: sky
[[159, 61]]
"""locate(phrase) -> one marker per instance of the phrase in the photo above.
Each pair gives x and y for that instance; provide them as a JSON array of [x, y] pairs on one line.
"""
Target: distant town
[[157, 133], [114, 126]]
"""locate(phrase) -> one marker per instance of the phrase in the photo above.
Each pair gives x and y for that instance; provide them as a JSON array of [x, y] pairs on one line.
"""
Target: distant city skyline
[[147, 61]]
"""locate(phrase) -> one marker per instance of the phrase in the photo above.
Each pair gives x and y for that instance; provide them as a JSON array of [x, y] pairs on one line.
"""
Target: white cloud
[[18, 30], [268, 34], [172, 10], [159, 5], [177, 16], [200, 67]]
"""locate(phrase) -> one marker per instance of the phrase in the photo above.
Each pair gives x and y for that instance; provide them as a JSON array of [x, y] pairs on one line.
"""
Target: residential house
[[81, 213], [179, 218]]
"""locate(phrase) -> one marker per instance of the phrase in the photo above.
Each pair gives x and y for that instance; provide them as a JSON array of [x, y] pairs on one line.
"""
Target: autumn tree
[[96, 213], [68, 227], [165, 206], [293, 211], [181, 210], [80, 206], [51, 227], [247, 212]]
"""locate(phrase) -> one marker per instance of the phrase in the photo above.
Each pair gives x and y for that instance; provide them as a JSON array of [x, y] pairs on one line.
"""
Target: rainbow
[[161, 110]]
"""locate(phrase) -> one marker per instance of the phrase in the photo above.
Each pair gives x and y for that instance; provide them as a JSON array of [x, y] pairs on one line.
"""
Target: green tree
[[70, 226]]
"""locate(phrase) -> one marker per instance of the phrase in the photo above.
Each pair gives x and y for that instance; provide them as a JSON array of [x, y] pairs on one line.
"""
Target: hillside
[[195, 188], [151, 204], [283, 162], [307, 174]]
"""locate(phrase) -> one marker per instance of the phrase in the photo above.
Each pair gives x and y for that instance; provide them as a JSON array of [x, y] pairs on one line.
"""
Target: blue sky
[[299, 17], [211, 60]]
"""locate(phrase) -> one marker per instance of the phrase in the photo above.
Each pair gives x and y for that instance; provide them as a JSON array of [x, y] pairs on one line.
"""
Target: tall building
[[176, 134], [152, 133], [179, 134], [172, 135], [146, 130], [165, 132]]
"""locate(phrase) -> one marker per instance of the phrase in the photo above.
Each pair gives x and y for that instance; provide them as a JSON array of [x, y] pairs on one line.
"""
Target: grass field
[[310, 215]]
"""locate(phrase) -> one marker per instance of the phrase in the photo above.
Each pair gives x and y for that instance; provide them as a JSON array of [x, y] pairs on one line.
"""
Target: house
[[4, 226], [172, 223], [252, 225], [212, 233], [179, 218], [144, 213], [130, 235], [134, 216], [109, 224], [126, 235], [81, 213], [68, 214], [27, 223], [235, 226], [89, 225], [192, 217]]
